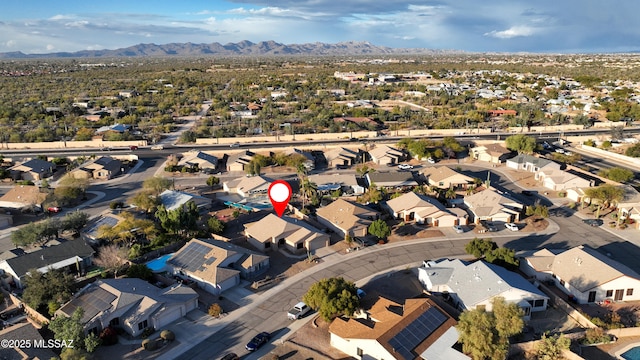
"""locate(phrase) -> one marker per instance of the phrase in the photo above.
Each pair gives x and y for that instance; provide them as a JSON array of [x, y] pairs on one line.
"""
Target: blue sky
[[559, 26]]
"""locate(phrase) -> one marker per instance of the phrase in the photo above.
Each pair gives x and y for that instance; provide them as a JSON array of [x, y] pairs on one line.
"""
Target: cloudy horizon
[[571, 26]]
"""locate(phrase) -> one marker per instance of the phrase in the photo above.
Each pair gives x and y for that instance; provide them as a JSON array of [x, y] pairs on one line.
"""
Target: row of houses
[[99, 168]]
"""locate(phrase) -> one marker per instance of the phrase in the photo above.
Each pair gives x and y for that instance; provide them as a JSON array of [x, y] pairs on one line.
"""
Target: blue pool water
[[159, 264], [632, 354]]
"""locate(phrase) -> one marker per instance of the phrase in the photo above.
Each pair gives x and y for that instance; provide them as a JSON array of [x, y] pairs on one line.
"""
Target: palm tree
[[450, 193], [307, 189]]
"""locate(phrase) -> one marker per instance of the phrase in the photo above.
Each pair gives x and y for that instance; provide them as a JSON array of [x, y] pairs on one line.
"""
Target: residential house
[[237, 162], [492, 205], [474, 284], [343, 157], [199, 159], [629, 206], [386, 155], [128, 93], [23, 197], [415, 329], [19, 334], [173, 200], [444, 177], [248, 186], [34, 170], [531, 163], [119, 128], [90, 231], [394, 179], [130, 304], [346, 217], [215, 265], [584, 273], [309, 162], [348, 183], [73, 256], [362, 122], [576, 194], [493, 153], [423, 209], [102, 168], [273, 232], [558, 180]]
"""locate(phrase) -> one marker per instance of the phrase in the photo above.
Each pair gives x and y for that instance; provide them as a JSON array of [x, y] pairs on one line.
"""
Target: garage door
[[168, 317]]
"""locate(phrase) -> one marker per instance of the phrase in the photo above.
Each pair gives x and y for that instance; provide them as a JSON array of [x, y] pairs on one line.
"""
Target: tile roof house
[[492, 205], [247, 186], [23, 197], [173, 200], [200, 159], [73, 255], [391, 179], [629, 206], [309, 160], [331, 182], [386, 155], [103, 168], [493, 153], [343, 156], [473, 284], [531, 163], [415, 329], [19, 333], [573, 272], [346, 217], [557, 180], [273, 232], [119, 128], [423, 209], [216, 265], [238, 161], [444, 177], [131, 304], [34, 170]]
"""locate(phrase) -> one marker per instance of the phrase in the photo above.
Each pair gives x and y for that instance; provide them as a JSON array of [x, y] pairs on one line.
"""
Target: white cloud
[[10, 43], [62, 17], [50, 47], [77, 24], [514, 31]]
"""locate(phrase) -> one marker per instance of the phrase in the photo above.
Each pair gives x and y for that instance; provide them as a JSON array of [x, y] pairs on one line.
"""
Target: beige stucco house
[[346, 217], [444, 177], [423, 209], [273, 233]]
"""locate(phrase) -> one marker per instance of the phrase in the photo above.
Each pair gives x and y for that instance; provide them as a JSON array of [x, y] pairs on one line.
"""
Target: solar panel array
[[94, 302], [107, 220], [418, 330], [192, 258]]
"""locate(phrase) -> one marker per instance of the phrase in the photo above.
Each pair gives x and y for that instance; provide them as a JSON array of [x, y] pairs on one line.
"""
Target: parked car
[[258, 341], [405, 167], [527, 192], [431, 160], [511, 226], [360, 293], [106, 148], [593, 222], [559, 150], [490, 226], [235, 145], [298, 310], [54, 209], [133, 147], [458, 229]]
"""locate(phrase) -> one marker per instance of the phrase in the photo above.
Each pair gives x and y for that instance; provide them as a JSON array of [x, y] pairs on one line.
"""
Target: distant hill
[[231, 49]]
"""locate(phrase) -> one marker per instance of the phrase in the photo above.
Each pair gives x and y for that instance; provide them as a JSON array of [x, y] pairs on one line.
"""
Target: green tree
[[69, 328], [633, 151], [215, 225], [537, 210], [40, 289], [140, 271], [157, 184], [374, 194], [551, 347], [74, 221], [308, 189], [590, 142], [333, 297], [379, 229], [480, 247], [145, 200], [604, 195], [91, 342], [617, 174], [212, 181], [521, 143], [486, 334]]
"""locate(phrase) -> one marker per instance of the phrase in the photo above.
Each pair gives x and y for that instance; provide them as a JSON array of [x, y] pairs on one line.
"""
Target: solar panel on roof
[[192, 257], [415, 332]]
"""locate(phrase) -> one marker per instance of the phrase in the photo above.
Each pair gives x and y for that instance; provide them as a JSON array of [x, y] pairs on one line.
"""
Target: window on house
[[530, 302], [360, 352], [114, 322], [299, 246], [609, 293], [267, 245], [142, 325], [538, 303], [629, 292]]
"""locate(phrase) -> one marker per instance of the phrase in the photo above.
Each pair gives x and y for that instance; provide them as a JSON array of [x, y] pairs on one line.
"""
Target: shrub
[[562, 194], [596, 336], [167, 335], [215, 310], [149, 344], [147, 332]]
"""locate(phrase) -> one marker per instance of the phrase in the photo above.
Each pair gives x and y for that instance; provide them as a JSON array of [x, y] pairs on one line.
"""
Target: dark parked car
[[258, 341], [230, 356], [593, 222], [527, 193]]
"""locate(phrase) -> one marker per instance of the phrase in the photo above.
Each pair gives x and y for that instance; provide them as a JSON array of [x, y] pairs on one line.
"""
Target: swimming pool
[[159, 264], [631, 354]]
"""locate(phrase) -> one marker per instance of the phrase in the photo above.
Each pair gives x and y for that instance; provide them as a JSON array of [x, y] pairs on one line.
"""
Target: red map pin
[[280, 194]]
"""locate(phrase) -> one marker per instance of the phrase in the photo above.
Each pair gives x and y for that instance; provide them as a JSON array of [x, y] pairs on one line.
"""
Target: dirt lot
[[413, 231]]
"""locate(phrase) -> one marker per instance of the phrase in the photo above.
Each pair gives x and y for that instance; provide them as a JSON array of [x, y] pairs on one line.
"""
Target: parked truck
[[298, 311]]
